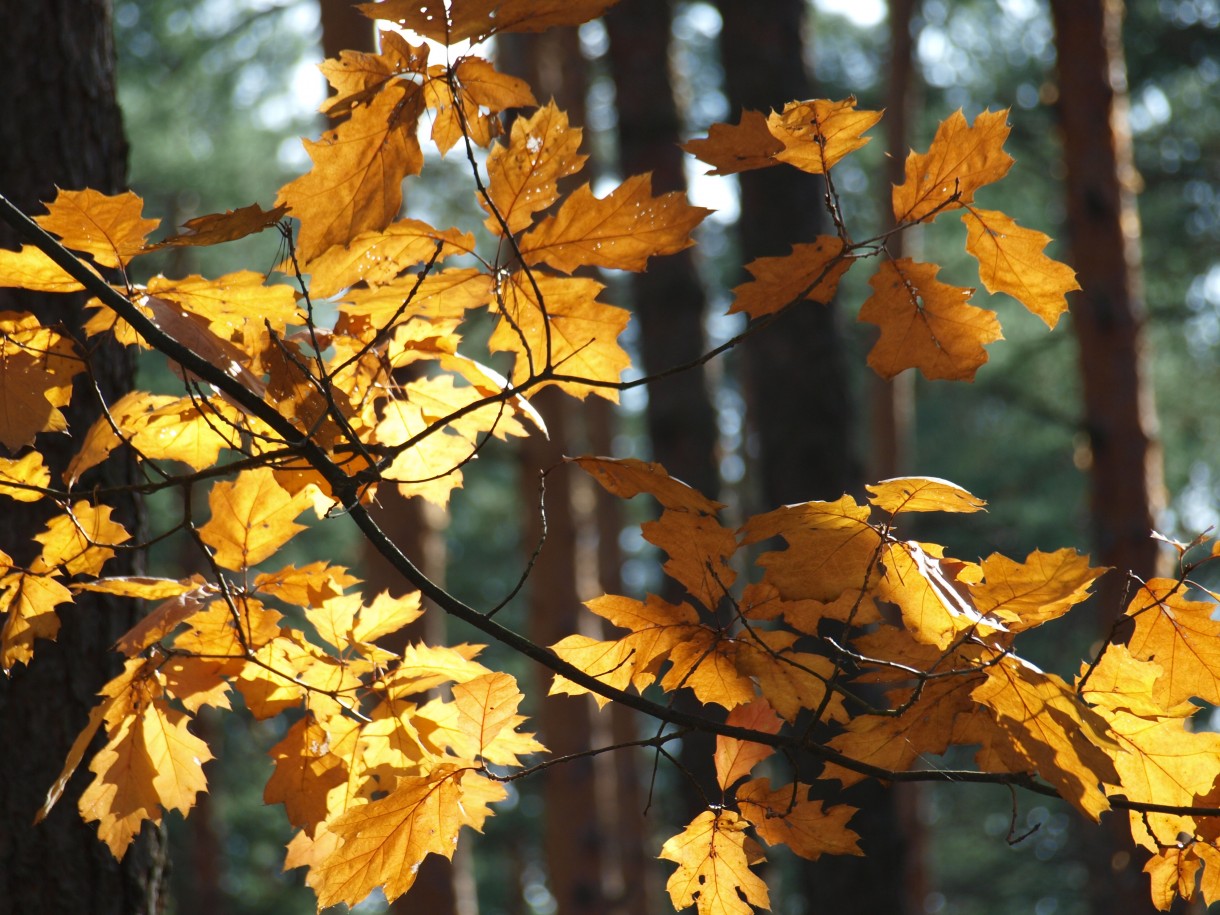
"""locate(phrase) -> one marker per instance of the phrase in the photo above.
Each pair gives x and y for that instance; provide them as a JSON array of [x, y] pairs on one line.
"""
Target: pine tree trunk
[[60, 126], [1126, 477]]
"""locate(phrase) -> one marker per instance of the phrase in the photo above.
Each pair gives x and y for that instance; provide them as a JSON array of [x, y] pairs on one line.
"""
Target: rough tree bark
[[1125, 476], [60, 126]]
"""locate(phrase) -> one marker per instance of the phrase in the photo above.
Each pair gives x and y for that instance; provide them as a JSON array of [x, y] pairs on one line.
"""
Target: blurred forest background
[[215, 95]]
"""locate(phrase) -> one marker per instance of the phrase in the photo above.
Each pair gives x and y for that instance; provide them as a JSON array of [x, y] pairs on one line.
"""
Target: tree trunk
[[60, 126], [1126, 476], [799, 405]]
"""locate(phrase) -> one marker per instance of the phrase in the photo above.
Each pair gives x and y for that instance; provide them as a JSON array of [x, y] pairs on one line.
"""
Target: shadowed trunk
[[60, 126]]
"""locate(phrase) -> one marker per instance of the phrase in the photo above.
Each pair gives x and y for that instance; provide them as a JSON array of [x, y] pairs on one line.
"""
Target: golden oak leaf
[[810, 271], [307, 585], [831, 549], [656, 625], [489, 89], [714, 867], [1181, 636], [896, 742], [477, 20], [215, 631], [196, 682], [961, 159], [79, 541], [176, 754], [378, 257], [1044, 587], [522, 176], [285, 671], [121, 796], [140, 586], [357, 76], [1121, 682], [922, 494], [431, 467], [305, 772], [935, 601], [382, 843], [30, 268], [485, 705], [925, 324], [440, 730], [391, 741], [479, 791], [37, 366], [608, 661], [819, 133], [707, 663], [252, 517], [1172, 872], [699, 549], [479, 87], [1209, 883], [620, 231], [736, 758], [334, 617], [21, 479], [111, 229], [581, 332], [509, 745], [217, 228], [386, 614], [1065, 742], [439, 398], [192, 331], [786, 816], [356, 181], [793, 681], [443, 294], [28, 604], [1011, 260], [426, 667], [628, 477], [165, 618], [740, 147], [231, 305], [1161, 761]]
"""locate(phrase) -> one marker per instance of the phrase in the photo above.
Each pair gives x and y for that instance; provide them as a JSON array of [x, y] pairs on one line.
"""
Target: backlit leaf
[[922, 494], [713, 867], [810, 272], [252, 517], [786, 816], [111, 229], [740, 147], [817, 134], [735, 758]]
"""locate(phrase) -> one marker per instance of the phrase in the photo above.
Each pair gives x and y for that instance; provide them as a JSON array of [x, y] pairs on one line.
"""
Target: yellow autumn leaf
[[786, 816], [809, 272], [27, 606], [734, 759], [30, 268], [620, 231], [522, 176], [305, 772], [80, 541], [110, 228], [713, 867], [1067, 743], [377, 257], [961, 159], [37, 366], [1180, 635], [1028, 594], [382, 843], [1011, 260], [925, 324], [740, 147], [485, 705], [817, 134], [922, 494], [252, 517]]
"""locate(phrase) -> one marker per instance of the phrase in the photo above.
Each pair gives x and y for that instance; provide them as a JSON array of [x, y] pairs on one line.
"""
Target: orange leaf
[[1065, 742], [1181, 636], [252, 517], [961, 159], [111, 229], [356, 181], [619, 232], [28, 604], [217, 228], [478, 20], [922, 494], [925, 324], [627, 477], [810, 271], [735, 758], [37, 366], [79, 541], [1011, 260], [485, 705], [699, 549], [521, 177], [819, 133], [714, 867], [740, 147], [164, 619], [305, 772], [786, 816], [358, 76], [382, 843], [1044, 587], [31, 269], [378, 257]]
